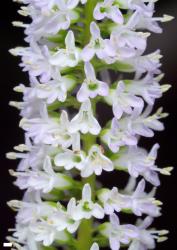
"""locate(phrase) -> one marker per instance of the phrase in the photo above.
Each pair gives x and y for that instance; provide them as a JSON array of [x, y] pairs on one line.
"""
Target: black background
[[11, 135]]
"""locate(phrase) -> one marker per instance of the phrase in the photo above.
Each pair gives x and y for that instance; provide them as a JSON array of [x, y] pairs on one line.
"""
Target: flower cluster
[[72, 48]]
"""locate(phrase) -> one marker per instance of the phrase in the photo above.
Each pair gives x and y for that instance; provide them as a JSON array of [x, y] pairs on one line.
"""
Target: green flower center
[[77, 158], [92, 86], [86, 206]]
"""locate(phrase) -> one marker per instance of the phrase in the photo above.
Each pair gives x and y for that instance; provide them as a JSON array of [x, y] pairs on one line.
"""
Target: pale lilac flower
[[143, 124], [45, 233], [120, 48], [68, 57], [119, 135], [35, 60], [84, 121], [138, 202], [91, 87], [30, 107], [42, 180], [147, 87], [107, 9], [145, 20], [69, 159], [95, 162], [50, 23], [45, 6], [49, 130], [128, 41], [146, 64], [31, 155], [139, 162], [86, 208], [146, 237], [30, 212], [119, 234], [123, 101], [62, 219], [50, 91], [97, 45]]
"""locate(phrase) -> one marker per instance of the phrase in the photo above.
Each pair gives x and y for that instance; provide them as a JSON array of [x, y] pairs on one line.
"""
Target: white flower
[[62, 220], [84, 121], [119, 234], [127, 41], [49, 130], [107, 9], [52, 90], [146, 238], [29, 108], [97, 45], [123, 101], [95, 162], [146, 64], [147, 87], [119, 135], [139, 162], [91, 87], [70, 159], [45, 6], [35, 60], [23, 236], [138, 202], [42, 180], [44, 232], [144, 124], [94, 247], [50, 23], [124, 48], [68, 57], [32, 156], [55, 89], [86, 208], [145, 20], [30, 212]]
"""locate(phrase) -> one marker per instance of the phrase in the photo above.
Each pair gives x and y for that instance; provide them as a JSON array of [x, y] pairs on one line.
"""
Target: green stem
[[86, 227], [89, 8]]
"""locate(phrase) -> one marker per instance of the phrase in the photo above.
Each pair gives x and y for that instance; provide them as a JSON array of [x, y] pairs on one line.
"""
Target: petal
[[71, 206], [86, 171], [98, 211], [97, 14], [114, 243], [153, 152], [48, 166], [83, 94], [140, 189], [114, 219], [117, 110], [86, 192], [103, 89], [95, 31], [87, 53], [116, 15], [94, 247], [89, 71], [71, 4], [70, 41]]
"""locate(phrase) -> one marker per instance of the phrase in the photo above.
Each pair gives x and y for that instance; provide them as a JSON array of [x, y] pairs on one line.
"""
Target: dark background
[[11, 135]]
